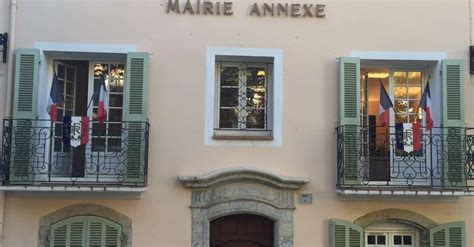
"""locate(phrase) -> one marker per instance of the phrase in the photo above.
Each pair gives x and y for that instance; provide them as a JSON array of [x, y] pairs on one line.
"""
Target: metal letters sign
[[198, 7]]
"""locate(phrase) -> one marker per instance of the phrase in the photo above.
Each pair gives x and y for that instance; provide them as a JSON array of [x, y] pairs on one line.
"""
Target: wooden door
[[241, 230]]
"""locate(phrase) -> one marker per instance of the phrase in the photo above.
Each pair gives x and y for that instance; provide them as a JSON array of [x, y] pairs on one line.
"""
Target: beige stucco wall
[[177, 78]]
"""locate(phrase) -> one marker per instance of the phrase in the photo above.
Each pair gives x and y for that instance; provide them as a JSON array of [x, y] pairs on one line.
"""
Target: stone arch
[[85, 209], [242, 191], [423, 223]]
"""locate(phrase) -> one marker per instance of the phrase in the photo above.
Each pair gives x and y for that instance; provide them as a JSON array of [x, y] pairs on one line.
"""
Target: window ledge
[[415, 193], [264, 135]]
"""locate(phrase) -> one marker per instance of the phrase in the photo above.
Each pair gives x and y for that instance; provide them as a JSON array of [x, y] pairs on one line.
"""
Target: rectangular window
[[243, 103], [110, 134]]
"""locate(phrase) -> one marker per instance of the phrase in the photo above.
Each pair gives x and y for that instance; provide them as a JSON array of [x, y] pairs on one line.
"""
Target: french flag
[[55, 98], [103, 106], [425, 104], [75, 130], [385, 104]]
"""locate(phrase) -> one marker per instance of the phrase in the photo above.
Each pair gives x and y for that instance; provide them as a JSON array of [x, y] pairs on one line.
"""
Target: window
[[243, 103], [244, 88], [85, 231], [112, 152], [110, 135]]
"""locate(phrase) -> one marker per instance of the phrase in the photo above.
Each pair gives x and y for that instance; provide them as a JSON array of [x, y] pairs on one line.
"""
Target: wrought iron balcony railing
[[392, 158], [39, 152]]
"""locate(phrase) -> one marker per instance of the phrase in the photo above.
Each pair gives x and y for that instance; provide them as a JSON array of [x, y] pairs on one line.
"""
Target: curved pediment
[[243, 174]]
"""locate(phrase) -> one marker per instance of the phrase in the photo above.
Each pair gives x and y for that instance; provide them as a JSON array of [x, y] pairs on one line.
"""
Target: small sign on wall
[[305, 198]]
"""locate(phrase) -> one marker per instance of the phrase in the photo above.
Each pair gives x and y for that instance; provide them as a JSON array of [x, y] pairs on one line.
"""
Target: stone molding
[[84, 209], [423, 223], [242, 191]]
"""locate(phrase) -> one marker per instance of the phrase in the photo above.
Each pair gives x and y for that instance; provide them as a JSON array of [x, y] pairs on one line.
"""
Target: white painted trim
[[399, 55], [84, 47], [57, 188], [414, 193], [277, 55]]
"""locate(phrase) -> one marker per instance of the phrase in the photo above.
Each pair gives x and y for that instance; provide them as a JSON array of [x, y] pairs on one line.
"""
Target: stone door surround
[[242, 191]]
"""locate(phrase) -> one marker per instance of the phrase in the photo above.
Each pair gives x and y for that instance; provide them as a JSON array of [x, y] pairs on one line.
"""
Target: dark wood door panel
[[241, 230]]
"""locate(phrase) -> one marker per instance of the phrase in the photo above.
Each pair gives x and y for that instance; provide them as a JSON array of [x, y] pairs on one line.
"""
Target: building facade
[[243, 123]]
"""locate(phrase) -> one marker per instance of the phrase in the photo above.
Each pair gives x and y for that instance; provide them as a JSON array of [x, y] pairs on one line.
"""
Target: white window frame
[[274, 112], [246, 133]]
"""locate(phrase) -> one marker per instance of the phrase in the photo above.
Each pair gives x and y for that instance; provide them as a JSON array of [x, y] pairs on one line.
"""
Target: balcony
[[402, 161], [36, 156]]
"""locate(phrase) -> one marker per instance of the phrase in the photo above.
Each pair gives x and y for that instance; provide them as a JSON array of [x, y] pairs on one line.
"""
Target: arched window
[[85, 231]]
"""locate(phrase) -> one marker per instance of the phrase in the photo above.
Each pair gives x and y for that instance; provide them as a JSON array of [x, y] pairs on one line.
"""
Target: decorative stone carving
[[242, 191]]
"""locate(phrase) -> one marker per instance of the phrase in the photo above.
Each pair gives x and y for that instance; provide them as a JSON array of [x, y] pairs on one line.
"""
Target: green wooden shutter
[[448, 235], [345, 234], [70, 232], [453, 123], [24, 111], [103, 232], [135, 117], [85, 231], [349, 117]]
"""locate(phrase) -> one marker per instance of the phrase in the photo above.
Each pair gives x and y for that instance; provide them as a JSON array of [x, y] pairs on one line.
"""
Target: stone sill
[[389, 193], [75, 191]]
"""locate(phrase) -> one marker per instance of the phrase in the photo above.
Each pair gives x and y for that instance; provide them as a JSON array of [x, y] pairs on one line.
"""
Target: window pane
[[71, 74], [229, 76], [400, 106], [69, 103], [57, 144], [381, 239], [61, 71], [229, 97], [58, 130], [117, 70], [98, 129], [400, 78], [401, 118], [400, 92], [256, 97], [114, 144], [412, 106], [371, 239], [414, 78], [115, 100], [228, 118], [256, 76], [414, 92], [116, 85], [407, 240], [115, 129], [59, 115], [115, 115], [397, 239], [70, 88], [98, 144], [256, 119]]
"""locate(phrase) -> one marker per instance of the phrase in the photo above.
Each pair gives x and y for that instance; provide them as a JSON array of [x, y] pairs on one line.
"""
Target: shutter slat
[[24, 111], [349, 117], [136, 91], [85, 231], [448, 235], [345, 234], [453, 121]]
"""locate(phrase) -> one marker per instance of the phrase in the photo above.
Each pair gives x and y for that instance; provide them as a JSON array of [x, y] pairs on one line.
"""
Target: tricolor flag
[[75, 131], [408, 137], [385, 104], [55, 98], [425, 104], [103, 106]]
